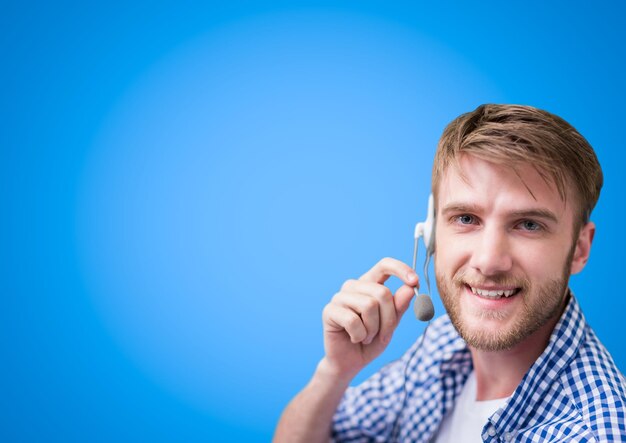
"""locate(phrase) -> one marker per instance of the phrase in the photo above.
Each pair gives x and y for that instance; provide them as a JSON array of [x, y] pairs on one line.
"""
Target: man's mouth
[[493, 293]]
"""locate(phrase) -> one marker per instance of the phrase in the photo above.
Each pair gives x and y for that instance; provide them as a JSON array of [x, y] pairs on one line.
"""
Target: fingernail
[[411, 275]]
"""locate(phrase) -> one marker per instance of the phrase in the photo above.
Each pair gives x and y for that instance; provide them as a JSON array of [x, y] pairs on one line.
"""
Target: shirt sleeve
[[367, 412]]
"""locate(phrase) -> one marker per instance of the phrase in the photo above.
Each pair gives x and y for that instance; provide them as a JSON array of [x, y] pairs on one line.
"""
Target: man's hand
[[361, 318], [358, 325]]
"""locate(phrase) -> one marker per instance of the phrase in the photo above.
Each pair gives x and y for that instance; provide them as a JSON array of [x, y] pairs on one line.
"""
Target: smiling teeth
[[492, 294]]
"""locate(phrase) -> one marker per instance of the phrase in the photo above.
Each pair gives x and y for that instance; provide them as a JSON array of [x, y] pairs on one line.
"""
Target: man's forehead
[[524, 182]]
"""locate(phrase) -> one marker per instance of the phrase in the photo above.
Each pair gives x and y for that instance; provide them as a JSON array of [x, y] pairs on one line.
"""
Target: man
[[514, 359]]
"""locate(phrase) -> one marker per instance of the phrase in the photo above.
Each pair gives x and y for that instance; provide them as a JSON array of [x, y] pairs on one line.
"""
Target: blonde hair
[[515, 134]]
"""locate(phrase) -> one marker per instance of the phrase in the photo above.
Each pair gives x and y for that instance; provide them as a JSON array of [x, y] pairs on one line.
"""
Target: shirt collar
[[565, 340]]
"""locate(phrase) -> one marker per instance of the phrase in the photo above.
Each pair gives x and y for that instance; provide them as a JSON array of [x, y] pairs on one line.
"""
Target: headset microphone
[[423, 305]]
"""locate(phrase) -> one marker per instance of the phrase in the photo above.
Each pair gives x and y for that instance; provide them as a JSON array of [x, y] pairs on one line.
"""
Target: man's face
[[504, 251]]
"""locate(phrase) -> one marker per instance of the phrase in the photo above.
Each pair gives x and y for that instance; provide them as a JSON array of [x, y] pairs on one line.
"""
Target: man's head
[[514, 187], [514, 135]]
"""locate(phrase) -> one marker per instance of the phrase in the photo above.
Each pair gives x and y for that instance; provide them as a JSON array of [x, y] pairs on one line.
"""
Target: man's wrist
[[330, 375]]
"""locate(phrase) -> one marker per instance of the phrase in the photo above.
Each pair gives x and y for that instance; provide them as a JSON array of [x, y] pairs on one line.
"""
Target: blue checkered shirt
[[573, 392]]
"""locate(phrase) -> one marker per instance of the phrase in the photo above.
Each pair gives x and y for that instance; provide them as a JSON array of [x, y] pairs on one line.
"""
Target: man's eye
[[465, 219], [530, 225]]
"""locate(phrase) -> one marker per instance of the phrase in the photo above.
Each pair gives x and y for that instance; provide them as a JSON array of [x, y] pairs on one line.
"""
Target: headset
[[423, 304]]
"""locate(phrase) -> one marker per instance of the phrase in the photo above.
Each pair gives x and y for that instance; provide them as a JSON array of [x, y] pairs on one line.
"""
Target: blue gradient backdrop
[[186, 184]]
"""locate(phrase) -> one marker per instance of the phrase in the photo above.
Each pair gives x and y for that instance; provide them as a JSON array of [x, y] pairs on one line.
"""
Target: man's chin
[[486, 339], [487, 330]]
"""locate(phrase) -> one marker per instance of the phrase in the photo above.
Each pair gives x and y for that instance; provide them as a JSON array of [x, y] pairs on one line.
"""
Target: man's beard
[[539, 304]]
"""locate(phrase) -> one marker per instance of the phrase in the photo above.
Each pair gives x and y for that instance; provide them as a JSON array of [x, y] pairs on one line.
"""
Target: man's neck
[[498, 373]]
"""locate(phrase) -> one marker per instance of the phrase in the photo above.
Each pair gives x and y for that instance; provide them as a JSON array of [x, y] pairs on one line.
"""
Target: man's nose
[[491, 254]]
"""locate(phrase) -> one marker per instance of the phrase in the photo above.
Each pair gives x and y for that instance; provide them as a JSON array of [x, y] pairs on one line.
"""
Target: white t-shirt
[[466, 421]]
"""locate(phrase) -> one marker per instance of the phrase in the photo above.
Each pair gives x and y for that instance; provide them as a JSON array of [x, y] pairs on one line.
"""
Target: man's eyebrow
[[460, 207], [536, 213], [540, 213]]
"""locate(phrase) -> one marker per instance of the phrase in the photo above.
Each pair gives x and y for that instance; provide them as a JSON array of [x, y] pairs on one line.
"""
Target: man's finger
[[366, 306], [388, 267], [385, 303], [339, 319]]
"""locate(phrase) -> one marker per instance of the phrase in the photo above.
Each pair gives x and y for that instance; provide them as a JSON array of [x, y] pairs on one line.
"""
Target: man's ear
[[583, 248]]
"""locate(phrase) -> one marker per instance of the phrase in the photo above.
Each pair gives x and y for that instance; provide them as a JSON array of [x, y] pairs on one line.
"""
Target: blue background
[[186, 184]]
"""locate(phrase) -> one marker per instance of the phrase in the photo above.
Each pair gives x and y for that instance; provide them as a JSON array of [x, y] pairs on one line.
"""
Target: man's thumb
[[402, 299]]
